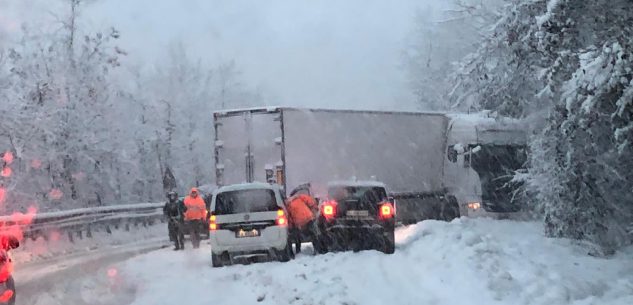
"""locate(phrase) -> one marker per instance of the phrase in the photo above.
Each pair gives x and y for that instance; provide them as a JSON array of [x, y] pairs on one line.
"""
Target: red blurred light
[[281, 221], [7, 157], [112, 272], [6, 296], [6, 172], [386, 210]]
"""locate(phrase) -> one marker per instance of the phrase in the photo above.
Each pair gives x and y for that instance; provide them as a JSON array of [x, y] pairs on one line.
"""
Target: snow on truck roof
[[229, 112], [247, 186], [476, 118]]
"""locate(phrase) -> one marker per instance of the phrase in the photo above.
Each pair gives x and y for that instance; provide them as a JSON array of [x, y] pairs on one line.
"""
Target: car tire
[[389, 242], [216, 260], [10, 284]]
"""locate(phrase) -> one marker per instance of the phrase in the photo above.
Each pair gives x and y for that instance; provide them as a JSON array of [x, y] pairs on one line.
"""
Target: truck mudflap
[[415, 207]]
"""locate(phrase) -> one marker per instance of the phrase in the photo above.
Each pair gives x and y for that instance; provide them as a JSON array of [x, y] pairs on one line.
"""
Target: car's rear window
[[245, 201], [364, 193]]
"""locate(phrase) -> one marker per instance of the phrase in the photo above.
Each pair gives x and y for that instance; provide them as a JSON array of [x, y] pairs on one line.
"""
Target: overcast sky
[[312, 53]]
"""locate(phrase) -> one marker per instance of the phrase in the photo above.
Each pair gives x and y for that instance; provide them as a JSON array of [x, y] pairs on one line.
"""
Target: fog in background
[[311, 53]]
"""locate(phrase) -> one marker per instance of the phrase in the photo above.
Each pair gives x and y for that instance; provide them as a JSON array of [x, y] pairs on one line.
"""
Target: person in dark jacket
[[174, 211]]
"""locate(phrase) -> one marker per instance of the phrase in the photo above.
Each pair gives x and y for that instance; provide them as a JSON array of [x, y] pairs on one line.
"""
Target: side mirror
[[390, 199], [451, 154]]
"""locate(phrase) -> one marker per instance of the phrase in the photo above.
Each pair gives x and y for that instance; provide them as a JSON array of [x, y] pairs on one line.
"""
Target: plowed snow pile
[[467, 261]]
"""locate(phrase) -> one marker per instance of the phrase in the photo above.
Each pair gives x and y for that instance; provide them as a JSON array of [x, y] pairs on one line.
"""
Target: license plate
[[357, 213], [247, 233]]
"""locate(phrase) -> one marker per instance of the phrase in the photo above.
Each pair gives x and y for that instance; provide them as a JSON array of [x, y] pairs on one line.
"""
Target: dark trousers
[[176, 233], [194, 228], [297, 234]]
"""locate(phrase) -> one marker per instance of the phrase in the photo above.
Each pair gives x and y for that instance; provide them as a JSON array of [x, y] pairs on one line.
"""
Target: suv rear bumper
[[371, 227]]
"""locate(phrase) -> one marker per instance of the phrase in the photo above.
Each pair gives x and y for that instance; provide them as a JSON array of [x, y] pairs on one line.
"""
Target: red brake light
[[281, 218], [386, 210], [328, 210]]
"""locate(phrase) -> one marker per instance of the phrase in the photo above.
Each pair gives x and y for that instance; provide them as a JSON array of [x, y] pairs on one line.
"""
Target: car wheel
[[286, 254], [389, 242]]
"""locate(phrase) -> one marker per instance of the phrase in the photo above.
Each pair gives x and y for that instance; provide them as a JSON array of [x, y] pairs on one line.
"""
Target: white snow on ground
[[467, 261]]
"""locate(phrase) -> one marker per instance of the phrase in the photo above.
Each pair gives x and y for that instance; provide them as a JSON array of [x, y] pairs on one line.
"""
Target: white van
[[248, 222]]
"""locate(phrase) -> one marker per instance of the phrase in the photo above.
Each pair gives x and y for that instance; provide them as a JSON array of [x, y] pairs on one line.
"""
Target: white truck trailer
[[434, 164]]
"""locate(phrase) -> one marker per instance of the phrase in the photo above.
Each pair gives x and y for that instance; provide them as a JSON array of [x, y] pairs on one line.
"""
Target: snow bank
[[467, 261]]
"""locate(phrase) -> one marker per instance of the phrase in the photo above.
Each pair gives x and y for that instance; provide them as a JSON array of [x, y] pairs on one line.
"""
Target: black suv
[[357, 215]]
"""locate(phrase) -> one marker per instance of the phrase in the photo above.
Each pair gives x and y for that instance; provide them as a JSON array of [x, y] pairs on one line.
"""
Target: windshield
[[245, 201], [497, 165]]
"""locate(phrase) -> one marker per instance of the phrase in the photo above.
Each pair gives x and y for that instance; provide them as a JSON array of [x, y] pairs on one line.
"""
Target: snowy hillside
[[467, 261]]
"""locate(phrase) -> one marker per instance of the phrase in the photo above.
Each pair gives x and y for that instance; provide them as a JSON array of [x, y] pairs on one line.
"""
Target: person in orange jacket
[[195, 213], [302, 211]]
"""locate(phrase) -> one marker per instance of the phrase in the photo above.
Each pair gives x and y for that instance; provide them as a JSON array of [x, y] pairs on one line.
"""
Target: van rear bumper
[[274, 237]]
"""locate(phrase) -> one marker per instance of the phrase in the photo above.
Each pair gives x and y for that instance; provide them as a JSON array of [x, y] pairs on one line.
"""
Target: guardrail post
[[80, 234], [108, 230], [88, 232], [70, 236]]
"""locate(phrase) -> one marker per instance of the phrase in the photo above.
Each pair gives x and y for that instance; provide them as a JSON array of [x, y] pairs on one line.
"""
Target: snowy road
[[467, 261], [71, 279]]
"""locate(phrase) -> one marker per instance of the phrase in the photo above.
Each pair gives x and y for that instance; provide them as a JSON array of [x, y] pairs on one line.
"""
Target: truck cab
[[483, 157]]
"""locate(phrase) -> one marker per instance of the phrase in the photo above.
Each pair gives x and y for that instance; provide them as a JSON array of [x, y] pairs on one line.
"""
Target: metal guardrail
[[82, 222]]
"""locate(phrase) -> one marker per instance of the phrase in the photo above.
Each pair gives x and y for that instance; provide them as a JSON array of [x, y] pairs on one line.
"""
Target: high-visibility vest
[[195, 208], [301, 210]]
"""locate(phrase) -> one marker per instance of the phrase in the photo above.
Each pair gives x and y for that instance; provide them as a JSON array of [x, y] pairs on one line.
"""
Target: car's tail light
[[387, 211], [281, 218], [212, 224], [328, 209]]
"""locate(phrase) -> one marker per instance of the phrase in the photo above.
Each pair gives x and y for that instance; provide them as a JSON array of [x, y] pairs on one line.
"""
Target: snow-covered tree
[[440, 39], [566, 64]]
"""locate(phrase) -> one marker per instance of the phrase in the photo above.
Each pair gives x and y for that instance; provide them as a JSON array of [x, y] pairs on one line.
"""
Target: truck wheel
[[450, 209], [389, 242]]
